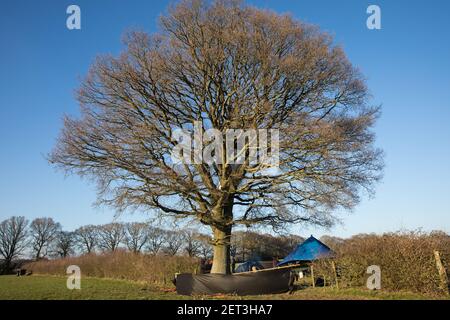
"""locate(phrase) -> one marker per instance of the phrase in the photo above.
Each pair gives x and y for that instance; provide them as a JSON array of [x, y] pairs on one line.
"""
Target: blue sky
[[406, 63]]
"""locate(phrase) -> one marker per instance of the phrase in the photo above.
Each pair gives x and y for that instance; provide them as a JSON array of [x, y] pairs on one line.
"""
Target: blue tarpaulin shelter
[[248, 265], [309, 250]]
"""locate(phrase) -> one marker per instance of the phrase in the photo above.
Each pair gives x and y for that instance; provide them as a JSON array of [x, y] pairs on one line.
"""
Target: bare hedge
[[157, 269], [406, 260]]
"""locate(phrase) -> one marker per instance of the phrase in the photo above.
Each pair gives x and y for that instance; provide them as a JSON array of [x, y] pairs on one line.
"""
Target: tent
[[248, 265], [269, 281], [309, 250]]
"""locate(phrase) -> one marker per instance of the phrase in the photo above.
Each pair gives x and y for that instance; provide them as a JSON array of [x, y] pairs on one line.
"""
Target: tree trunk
[[6, 266], [221, 258], [38, 253]]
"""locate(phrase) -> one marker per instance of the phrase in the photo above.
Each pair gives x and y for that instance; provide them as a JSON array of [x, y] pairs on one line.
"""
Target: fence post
[[442, 272], [312, 276], [333, 265]]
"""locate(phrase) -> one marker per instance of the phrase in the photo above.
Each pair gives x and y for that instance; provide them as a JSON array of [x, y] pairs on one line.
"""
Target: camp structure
[[246, 282], [250, 265], [309, 250], [267, 281]]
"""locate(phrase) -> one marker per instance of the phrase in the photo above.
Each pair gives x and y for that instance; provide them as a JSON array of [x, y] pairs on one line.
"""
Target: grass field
[[51, 287]]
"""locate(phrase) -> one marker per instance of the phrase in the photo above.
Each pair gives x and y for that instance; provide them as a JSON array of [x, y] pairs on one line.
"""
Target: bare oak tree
[[156, 238], [136, 236], [205, 248], [13, 236], [43, 232], [173, 241], [228, 66], [192, 242], [64, 243], [87, 238], [110, 236]]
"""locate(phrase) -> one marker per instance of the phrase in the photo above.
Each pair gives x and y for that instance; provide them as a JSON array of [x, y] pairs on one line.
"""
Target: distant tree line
[[44, 238]]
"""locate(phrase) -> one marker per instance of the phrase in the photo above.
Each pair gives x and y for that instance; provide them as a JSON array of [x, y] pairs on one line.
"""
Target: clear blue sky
[[407, 64]]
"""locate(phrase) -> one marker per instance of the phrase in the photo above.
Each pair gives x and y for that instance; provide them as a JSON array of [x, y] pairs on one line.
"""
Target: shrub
[[406, 260], [157, 269]]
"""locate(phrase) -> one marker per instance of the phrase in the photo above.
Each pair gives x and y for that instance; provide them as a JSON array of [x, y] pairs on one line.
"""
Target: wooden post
[[442, 272], [312, 276], [333, 265]]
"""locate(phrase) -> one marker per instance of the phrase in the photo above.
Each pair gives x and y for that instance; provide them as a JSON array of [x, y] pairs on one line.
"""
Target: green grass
[[54, 288]]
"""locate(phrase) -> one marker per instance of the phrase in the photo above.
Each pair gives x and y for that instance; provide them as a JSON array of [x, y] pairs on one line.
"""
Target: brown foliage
[[158, 269], [406, 260]]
